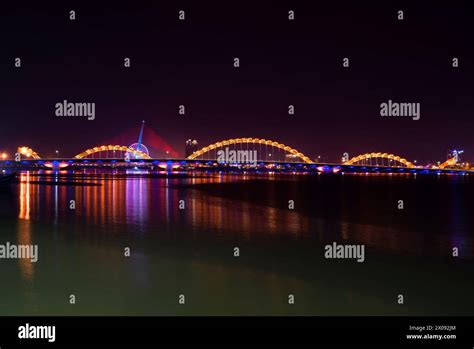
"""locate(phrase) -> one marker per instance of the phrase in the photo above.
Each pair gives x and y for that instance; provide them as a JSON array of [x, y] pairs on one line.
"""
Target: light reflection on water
[[282, 249], [143, 202], [148, 205]]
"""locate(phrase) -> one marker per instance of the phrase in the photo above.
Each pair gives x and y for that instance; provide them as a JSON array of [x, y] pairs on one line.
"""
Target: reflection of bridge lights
[[168, 166], [60, 165]]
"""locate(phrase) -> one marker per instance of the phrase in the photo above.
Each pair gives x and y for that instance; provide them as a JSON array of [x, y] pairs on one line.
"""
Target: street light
[[57, 153]]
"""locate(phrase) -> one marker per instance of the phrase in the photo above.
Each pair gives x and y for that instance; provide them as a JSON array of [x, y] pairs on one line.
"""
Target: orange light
[[28, 152], [61, 165]]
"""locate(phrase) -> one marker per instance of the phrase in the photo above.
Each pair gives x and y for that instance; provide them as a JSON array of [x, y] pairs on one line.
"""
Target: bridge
[[235, 155]]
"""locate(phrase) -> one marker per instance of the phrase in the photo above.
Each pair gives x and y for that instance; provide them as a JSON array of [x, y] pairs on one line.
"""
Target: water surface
[[190, 251]]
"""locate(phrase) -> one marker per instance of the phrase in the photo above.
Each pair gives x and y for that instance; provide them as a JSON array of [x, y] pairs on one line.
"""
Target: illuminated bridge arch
[[366, 159], [449, 162], [28, 152], [255, 141], [113, 148]]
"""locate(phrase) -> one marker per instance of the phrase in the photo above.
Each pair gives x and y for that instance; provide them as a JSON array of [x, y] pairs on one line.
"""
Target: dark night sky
[[282, 63]]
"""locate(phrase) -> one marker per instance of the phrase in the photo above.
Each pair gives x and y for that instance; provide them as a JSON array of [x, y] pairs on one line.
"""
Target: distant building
[[190, 147]]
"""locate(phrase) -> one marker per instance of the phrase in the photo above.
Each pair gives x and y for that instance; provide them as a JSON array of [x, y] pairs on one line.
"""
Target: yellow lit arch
[[379, 155], [101, 148], [28, 152], [249, 140], [449, 162]]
